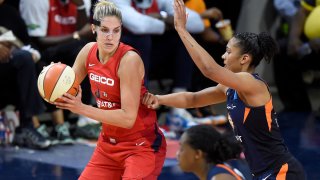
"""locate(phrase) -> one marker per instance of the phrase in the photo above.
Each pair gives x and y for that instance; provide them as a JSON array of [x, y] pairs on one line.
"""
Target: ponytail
[[260, 46]]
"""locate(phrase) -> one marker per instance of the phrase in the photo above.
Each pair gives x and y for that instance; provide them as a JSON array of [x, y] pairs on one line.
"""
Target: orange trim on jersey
[[246, 112], [283, 172], [268, 110], [230, 171]]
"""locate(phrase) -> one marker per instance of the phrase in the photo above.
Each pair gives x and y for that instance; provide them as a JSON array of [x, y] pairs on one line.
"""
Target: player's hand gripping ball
[[55, 80]]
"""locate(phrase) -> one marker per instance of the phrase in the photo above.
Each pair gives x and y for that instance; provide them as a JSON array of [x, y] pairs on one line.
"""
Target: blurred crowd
[[35, 33]]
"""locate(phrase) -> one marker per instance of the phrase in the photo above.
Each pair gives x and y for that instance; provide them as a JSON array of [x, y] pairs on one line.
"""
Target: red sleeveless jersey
[[105, 86], [62, 19]]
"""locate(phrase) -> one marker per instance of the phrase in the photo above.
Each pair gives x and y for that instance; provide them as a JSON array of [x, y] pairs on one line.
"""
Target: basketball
[[55, 80]]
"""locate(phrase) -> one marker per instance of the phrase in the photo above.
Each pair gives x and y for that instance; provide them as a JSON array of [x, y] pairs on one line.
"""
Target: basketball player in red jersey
[[130, 146]]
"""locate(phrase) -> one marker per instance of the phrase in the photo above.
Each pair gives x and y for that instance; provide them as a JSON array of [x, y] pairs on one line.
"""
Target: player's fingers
[[152, 99], [67, 95], [60, 105], [145, 98], [154, 106], [175, 5]]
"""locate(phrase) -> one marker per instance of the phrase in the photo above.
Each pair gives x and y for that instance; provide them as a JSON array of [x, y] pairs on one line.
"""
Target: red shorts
[[130, 159]]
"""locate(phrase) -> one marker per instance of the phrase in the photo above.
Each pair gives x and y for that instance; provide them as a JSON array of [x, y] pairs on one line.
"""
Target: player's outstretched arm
[[205, 97]]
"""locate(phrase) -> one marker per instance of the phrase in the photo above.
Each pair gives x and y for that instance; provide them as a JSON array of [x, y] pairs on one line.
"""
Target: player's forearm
[[199, 55], [178, 100], [116, 117]]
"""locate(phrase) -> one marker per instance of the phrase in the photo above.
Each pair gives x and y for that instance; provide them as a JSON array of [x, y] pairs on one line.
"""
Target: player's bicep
[[79, 65], [209, 96], [131, 73]]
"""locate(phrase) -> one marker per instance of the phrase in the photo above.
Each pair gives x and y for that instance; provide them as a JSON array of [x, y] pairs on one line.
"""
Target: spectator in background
[[58, 29], [207, 14], [211, 155], [17, 61], [286, 8], [231, 9], [299, 52]]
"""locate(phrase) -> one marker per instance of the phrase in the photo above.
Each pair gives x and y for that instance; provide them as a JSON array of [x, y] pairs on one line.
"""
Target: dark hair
[[217, 147], [258, 45]]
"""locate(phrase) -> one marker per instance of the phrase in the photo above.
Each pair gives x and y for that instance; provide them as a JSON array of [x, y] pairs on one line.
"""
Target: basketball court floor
[[301, 132]]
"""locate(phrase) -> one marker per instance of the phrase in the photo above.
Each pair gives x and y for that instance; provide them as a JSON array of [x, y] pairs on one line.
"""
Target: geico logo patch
[[101, 79]]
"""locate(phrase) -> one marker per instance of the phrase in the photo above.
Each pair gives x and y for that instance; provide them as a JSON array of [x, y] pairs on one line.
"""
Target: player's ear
[[245, 59], [93, 28], [198, 154]]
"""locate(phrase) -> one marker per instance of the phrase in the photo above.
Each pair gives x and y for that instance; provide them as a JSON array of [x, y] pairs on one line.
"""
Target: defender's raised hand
[[180, 15]]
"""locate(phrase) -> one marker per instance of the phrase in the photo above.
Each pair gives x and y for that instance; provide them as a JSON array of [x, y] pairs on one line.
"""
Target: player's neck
[[104, 57]]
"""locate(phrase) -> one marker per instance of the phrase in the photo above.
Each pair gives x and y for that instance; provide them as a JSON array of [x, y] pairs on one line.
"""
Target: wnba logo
[[101, 79]]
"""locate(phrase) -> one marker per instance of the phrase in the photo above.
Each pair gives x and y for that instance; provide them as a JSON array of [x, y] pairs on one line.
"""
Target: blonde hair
[[105, 8]]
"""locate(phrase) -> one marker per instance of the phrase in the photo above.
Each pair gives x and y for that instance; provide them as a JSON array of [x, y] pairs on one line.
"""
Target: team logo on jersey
[[238, 138], [101, 79], [231, 106]]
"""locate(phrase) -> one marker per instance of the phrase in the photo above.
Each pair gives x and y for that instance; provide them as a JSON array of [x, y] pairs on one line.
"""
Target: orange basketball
[[55, 80]]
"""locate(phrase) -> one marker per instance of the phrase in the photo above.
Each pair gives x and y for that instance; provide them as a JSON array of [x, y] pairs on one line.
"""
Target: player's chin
[[109, 47]]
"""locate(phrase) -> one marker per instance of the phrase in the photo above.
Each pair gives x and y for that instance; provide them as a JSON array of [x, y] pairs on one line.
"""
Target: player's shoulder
[[132, 58], [132, 53], [129, 51], [88, 46]]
